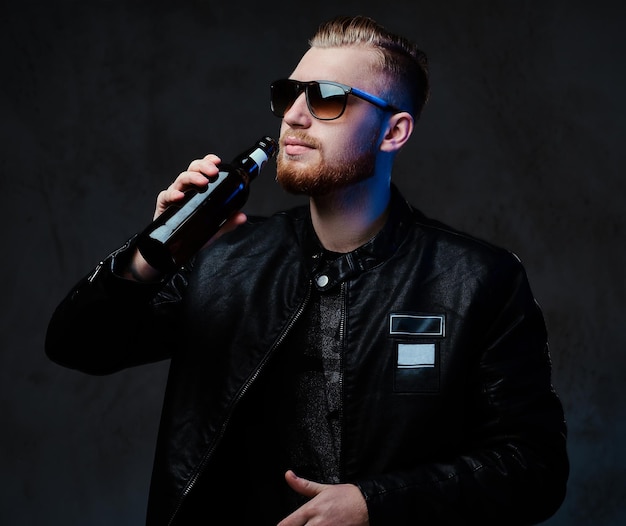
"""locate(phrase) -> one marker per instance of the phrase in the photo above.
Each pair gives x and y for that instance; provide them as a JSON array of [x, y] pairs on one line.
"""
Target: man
[[348, 363]]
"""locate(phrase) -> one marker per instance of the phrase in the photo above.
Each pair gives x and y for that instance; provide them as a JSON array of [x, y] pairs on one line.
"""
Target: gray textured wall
[[103, 103]]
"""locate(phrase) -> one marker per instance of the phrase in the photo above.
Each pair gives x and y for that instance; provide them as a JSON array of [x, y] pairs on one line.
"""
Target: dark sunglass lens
[[326, 101], [283, 94]]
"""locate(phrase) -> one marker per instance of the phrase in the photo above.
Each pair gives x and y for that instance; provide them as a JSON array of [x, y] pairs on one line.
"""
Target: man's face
[[317, 157]]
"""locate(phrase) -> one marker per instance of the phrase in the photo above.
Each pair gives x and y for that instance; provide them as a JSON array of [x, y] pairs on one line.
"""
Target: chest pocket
[[416, 344]]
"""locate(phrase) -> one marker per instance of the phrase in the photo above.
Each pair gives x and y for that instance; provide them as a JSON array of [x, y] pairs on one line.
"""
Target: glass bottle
[[183, 228]]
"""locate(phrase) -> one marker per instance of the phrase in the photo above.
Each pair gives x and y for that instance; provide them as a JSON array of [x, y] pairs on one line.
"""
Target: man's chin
[[323, 180], [294, 188], [317, 188]]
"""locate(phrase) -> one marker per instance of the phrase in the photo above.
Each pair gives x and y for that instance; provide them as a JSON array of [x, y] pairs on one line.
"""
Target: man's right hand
[[197, 176]]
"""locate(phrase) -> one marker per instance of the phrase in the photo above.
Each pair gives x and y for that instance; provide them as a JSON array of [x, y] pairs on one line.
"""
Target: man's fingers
[[305, 487], [207, 165], [196, 176]]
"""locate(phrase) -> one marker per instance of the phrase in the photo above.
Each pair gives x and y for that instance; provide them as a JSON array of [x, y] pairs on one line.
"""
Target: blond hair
[[404, 65]]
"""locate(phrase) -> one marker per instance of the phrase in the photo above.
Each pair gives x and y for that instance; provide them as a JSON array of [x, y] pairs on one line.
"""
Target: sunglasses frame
[[302, 86]]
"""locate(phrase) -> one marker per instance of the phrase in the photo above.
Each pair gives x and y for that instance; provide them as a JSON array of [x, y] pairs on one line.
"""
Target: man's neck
[[349, 218]]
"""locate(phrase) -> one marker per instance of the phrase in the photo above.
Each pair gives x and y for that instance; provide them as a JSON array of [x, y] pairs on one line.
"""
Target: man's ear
[[399, 129]]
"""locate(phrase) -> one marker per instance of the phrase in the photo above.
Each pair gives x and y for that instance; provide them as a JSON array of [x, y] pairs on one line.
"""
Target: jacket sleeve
[[107, 323], [513, 468]]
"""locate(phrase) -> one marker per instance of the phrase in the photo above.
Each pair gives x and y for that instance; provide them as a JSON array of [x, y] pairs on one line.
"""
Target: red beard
[[322, 178]]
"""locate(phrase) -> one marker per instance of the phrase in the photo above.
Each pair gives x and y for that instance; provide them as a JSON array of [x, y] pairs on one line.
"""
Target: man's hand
[[197, 176], [329, 504]]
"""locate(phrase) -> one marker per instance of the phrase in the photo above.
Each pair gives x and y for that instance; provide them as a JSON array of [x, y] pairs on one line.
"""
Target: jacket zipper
[[243, 391], [342, 325]]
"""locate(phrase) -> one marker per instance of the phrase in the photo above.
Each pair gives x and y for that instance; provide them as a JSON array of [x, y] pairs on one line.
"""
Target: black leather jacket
[[449, 414]]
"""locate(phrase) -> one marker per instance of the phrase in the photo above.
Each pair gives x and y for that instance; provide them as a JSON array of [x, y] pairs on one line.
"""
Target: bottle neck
[[253, 162]]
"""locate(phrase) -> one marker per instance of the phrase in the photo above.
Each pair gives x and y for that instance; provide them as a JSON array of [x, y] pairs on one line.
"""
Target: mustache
[[300, 136]]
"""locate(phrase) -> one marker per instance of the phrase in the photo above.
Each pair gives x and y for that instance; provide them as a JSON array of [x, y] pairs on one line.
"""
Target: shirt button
[[322, 280]]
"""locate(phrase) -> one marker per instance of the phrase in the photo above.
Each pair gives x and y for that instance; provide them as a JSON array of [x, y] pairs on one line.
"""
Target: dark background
[[103, 103]]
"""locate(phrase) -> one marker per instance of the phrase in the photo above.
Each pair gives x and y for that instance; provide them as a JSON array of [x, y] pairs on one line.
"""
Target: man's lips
[[293, 146]]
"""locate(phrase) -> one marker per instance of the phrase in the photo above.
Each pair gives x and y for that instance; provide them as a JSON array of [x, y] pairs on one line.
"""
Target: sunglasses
[[326, 100]]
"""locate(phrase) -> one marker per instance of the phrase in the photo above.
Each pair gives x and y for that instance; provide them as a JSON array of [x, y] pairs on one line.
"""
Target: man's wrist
[[138, 269]]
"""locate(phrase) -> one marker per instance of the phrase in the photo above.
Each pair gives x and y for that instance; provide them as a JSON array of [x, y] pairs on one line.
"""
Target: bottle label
[[166, 230], [259, 157]]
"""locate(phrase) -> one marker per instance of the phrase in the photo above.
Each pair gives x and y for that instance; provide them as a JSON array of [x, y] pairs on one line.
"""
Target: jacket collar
[[330, 269]]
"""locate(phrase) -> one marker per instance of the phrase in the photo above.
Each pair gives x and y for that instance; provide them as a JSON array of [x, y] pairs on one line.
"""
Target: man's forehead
[[348, 65]]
